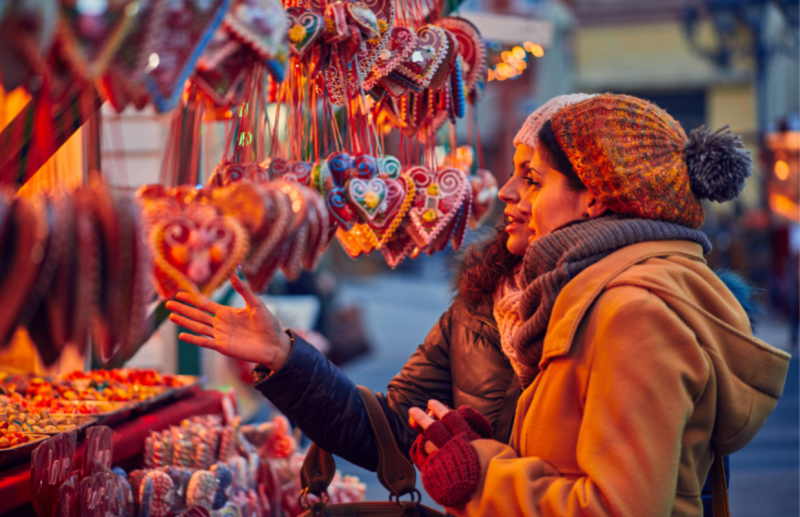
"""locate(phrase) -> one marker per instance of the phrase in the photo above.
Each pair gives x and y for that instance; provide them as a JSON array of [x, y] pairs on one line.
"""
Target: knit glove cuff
[[465, 422], [451, 474]]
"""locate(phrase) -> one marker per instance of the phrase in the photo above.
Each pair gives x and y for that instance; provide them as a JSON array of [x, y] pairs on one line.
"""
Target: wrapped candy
[[224, 484], [202, 490]]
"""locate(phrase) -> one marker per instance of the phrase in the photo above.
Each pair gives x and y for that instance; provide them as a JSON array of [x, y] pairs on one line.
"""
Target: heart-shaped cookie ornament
[[471, 48], [340, 167], [196, 256], [305, 28], [484, 193], [430, 49], [364, 18], [401, 43], [366, 196], [390, 166], [260, 24], [342, 212], [399, 196], [396, 249], [437, 199], [188, 26]]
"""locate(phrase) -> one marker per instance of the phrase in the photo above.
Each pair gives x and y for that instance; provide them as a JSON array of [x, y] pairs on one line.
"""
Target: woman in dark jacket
[[461, 362]]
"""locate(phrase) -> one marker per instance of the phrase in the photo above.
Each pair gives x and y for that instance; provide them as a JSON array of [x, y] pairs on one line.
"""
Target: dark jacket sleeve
[[324, 403]]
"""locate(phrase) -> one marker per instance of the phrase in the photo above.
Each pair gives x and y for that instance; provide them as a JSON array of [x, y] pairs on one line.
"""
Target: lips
[[510, 219]]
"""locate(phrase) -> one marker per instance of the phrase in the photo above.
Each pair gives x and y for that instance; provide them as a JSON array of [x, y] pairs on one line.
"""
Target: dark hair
[[556, 157], [485, 265]]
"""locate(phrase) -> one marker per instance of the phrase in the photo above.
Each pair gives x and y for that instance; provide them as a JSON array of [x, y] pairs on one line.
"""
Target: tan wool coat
[[649, 365]]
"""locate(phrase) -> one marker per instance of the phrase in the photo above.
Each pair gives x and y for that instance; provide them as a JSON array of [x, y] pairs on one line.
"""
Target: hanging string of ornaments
[[308, 91]]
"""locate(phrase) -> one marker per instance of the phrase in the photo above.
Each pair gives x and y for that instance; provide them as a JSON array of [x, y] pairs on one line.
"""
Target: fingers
[[190, 312], [420, 418], [198, 300], [192, 325], [243, 289], [430, 448], [438, 409], [205, 342]]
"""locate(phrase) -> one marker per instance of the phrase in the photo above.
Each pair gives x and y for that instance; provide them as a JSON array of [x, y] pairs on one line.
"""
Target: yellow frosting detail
[[429, 215], [433, 189], [371, 199], [297, 33]]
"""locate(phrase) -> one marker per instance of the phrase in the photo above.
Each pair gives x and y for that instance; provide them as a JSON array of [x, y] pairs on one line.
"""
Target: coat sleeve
[[645, 371], [324, 403]]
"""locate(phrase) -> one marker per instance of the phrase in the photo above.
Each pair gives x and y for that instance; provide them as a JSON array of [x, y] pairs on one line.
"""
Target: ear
[[594, 207]]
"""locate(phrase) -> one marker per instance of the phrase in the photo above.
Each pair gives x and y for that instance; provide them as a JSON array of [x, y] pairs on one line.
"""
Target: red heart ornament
[[429, 51], [398, 48], [196, 257], [470, 47], [188, 26], [260, 24], [396, 249], [343, 213], [400, 194], [222, 83], [437, 200]]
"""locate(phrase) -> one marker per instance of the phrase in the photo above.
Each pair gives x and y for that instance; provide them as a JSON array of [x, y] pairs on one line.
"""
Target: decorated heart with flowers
[[438, 198], [196, 256], [342, 212], [366, 196], [305, 28]]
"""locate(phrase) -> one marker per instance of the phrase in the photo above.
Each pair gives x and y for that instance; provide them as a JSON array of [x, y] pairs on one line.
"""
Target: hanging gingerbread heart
[[24, 234], [89, 36], [124, 81], [342, 212], [464, 218], [305, 28], [223, 83], [196, 257], [390, 166], [484, 193], [396, 249], [188, 26], [438, 198], [429, 51], [365, 166], [267, 240], [470, 47], [292, 264], [340, 167], [399, 196], [366, 196], [318, 230], [260, 24], [398, 48], [449, 55]]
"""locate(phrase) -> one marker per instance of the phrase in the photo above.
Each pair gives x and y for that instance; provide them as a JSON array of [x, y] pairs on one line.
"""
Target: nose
[[524, 207], [508, 194]]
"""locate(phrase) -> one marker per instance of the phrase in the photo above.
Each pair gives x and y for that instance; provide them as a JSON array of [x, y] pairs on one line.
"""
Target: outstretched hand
[[251, 334]]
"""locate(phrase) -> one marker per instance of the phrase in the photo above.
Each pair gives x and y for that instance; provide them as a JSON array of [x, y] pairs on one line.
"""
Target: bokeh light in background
[[511, 62]]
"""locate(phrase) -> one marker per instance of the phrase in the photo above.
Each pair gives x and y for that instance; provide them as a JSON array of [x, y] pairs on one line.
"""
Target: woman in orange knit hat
[[638, 365]]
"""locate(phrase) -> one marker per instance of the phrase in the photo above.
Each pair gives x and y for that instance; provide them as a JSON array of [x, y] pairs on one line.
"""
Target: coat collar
[[581, 292]]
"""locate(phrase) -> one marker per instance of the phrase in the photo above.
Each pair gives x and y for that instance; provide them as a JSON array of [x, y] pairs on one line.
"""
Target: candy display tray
[[22, 452]]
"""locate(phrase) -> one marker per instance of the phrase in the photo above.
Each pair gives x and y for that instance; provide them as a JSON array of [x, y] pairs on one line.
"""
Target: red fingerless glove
[[451, 474]]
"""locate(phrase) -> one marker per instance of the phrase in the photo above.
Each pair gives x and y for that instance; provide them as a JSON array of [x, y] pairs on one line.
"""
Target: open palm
[[251, 334]]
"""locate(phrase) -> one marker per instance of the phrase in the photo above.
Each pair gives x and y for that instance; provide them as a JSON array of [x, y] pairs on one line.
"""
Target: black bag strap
[[395, 471]]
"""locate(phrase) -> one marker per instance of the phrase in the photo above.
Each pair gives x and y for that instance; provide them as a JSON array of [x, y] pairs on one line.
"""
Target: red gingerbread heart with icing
[[430, 50], [397, 248], [196, 257], [470, 47], [437, 199], [305, 28], [400, 194], [401, 43]]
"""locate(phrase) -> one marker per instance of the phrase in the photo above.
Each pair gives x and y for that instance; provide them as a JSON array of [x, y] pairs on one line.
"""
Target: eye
[[531, 181]]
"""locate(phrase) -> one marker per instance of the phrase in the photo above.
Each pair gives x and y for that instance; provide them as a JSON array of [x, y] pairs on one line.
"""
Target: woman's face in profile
[[512, 194]]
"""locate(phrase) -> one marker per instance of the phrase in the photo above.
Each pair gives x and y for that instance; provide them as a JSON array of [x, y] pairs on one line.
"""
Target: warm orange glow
[[505, 56], [536, 50], [520, 65], [518, 52], [491, 75], [505, 69], [781, 170], [784, 206], [500, 77]]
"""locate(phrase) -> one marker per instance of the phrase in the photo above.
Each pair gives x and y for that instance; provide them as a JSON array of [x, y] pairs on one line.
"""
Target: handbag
[[395, 472]]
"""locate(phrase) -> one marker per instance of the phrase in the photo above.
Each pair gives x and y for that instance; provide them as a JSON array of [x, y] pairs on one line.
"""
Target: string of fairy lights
[[509, 64]]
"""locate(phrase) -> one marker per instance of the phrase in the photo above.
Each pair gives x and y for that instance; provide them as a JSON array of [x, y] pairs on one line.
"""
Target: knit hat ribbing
[[633, 156], [529, 132]]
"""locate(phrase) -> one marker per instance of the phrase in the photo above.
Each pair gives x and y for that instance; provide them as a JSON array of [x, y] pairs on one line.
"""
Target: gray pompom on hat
[[717, 163]]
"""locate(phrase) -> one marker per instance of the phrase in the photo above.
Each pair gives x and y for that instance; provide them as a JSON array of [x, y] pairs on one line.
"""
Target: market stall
[[338, 121]]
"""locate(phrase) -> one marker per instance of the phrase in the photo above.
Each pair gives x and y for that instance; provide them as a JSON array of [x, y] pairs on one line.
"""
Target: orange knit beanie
[[636, 158]]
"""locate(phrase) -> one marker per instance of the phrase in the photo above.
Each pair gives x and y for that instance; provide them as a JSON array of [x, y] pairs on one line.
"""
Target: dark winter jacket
[[461, 362]]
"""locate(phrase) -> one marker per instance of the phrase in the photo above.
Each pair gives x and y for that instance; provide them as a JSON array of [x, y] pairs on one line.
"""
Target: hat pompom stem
[[718, 164]]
